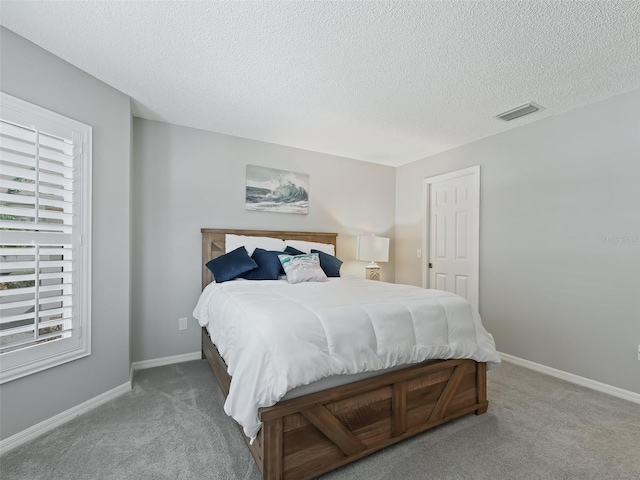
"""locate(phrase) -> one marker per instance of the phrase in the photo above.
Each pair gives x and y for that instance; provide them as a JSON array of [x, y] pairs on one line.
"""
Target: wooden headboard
[[213, 240]]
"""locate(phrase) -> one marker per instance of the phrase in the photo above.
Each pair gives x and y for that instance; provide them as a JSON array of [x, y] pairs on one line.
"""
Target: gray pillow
[[303, 268]]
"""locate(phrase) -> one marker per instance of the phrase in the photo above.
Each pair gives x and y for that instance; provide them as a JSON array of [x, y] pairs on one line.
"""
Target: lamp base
[[372, 272]]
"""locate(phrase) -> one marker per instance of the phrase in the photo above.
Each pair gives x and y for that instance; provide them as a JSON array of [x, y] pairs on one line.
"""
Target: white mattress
[[336, 381], [276, 337]]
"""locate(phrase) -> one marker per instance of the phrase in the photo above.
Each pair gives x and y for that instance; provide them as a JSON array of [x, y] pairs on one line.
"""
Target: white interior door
[[452, 222]]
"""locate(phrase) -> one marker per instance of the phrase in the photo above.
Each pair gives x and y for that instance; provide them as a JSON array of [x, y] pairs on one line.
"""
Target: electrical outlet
[[419, 253], [182, 323], [639, 353]]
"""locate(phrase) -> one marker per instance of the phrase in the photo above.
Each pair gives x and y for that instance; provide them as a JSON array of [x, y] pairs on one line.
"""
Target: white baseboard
[[570, 377], [36, 430], [159, 362]]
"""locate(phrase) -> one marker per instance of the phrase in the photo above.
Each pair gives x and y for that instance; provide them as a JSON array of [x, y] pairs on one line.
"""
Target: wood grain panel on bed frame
[[306, 436]]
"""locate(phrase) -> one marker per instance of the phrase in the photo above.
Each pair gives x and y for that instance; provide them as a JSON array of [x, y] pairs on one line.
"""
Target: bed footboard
[[304, 437]]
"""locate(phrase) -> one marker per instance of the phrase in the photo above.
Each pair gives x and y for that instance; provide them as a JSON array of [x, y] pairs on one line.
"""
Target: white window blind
[[45, 166]]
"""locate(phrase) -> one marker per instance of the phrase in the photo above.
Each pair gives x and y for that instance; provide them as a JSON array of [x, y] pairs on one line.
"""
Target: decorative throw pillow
[[231, 265], [293, 251], [330, 264], [303, 268], [269, 266]]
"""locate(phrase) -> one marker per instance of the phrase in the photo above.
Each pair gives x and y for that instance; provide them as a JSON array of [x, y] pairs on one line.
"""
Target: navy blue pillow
[[231, 265], [269, 266], [293, 251], [330, 264]]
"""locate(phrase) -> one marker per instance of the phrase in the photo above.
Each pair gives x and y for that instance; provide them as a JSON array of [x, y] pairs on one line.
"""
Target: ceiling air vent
[[520, 111]]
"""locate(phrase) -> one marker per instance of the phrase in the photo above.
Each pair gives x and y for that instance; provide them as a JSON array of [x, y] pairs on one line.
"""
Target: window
[[45, 248]]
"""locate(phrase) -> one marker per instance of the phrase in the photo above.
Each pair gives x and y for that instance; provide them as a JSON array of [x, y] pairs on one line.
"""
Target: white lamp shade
[[373, 249]]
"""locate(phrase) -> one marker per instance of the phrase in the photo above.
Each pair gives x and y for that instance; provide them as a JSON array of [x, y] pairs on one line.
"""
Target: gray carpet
[[171, 426]]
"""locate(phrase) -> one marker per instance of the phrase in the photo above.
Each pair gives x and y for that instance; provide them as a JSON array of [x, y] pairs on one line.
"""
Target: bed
[[303, 437]]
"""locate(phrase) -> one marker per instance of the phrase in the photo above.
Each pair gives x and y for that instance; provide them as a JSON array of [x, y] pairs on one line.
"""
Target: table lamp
[[374, 249]]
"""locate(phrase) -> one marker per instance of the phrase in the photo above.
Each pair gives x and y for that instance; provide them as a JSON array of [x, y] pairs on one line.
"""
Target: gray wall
[[30, 73], [552, 290], [185, 179]]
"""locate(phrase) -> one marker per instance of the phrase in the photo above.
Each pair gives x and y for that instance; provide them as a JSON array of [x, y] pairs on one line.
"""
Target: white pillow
[[307, 246], [231, 242], [303, 268]]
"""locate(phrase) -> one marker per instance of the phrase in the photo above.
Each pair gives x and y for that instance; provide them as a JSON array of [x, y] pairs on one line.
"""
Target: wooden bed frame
[[306, 436]]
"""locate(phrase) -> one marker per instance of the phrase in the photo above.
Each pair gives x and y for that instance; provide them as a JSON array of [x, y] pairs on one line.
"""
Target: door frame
[[426, 209]]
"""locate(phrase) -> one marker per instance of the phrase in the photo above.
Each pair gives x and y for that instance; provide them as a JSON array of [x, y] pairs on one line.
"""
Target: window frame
[[35, 358]]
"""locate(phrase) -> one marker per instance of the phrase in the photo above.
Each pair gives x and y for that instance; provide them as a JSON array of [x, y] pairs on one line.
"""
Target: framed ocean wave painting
[[271, 190]]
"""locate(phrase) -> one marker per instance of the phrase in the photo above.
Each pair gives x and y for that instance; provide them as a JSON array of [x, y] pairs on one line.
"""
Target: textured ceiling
[[386, 82]]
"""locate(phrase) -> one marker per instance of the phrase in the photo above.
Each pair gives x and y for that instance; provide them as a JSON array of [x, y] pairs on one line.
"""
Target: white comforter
[[275, 336]]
